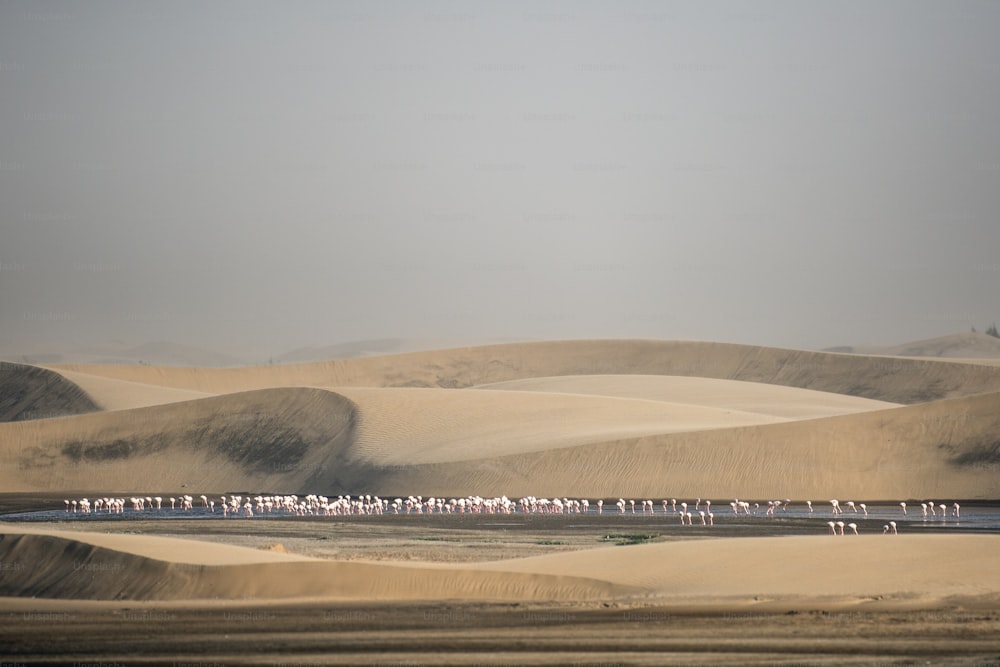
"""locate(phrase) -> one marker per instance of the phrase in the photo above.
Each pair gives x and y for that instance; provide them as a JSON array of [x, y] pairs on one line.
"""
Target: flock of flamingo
[[347, 505]]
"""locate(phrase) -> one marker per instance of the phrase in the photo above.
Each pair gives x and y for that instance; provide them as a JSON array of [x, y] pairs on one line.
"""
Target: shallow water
[[796, 519]]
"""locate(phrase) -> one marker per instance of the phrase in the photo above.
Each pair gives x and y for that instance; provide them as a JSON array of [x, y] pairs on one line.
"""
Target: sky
[[258, 176]]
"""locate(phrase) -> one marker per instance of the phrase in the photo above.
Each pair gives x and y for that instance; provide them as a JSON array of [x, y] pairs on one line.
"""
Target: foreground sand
[[139, 599], [817, 571]]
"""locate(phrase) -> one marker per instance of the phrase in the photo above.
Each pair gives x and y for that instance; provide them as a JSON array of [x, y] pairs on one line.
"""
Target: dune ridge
[[897, 380], [967, 345], [117, 394]]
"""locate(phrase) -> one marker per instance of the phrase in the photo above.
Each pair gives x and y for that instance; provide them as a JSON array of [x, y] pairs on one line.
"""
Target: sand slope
[[116, 394], [418, 426], [858, 567], [29, 392], [729, 395], [824, 570], [943, 449]]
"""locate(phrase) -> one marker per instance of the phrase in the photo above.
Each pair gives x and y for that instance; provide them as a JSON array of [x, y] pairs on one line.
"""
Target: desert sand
[[578, 419]]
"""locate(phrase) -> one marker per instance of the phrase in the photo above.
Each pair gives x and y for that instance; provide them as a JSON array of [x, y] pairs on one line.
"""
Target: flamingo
[[903, 505], [853, 527]]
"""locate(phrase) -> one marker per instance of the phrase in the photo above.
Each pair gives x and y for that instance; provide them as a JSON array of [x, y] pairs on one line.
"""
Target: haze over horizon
[[253, 177]]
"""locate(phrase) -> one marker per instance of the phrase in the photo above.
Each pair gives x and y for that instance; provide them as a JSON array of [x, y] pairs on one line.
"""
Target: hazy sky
[[256, 176]]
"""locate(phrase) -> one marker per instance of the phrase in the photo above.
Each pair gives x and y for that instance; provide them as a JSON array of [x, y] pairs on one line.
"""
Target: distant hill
[[966, 345], [373, 347], [353, 349], [153, 354]]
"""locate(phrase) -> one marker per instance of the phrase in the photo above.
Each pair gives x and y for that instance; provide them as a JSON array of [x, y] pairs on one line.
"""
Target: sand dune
[[59, 565], [440, 442], [29, 392], [579, 418], [941, 449], [284, 437], [921, 569], [882, 378], [752, 397]]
